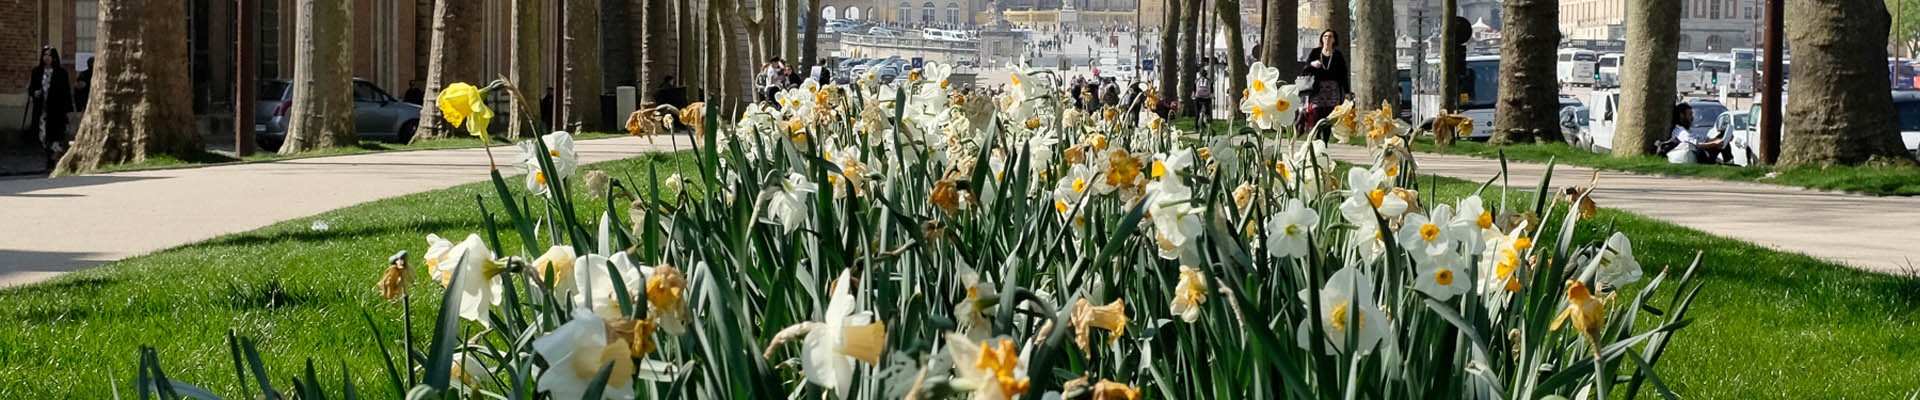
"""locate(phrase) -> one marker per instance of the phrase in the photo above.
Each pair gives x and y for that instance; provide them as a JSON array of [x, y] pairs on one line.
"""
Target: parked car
[[376, 115]]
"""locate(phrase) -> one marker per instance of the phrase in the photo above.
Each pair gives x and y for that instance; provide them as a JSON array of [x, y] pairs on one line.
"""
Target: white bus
[[1576, 67], [1480, 82], [1606, 71], [1746, 64], [1716, 73], [1686, 78]]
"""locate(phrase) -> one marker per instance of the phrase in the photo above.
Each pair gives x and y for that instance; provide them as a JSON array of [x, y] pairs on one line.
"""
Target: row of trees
[[1842, 116], [706, 46]]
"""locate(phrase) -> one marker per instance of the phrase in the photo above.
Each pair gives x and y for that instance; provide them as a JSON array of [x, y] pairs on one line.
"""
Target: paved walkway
[[52, 226], [1877, 234]]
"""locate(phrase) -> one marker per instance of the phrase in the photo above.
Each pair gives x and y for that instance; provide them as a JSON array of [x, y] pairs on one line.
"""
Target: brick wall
[[19, 44]]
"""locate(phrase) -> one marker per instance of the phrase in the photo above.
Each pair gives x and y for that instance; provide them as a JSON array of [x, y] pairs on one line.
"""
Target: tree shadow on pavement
[[24, 187]]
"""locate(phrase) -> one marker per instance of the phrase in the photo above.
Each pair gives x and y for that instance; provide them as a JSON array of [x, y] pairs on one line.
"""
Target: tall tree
[[616, 44], [1340, 20], [1169, 66], [1375, 74], [1842, 110], [1647, 82], [656, 37], [1229, 13], [692, 64], [581, 97], [322, 77], [528, 55], [810, 45], [454, 57], [1190, 55], [1529, 105], [1280, 37], [137, 111], [1453, 54]]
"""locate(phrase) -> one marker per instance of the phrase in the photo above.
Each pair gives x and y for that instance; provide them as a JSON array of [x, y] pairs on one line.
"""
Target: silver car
[[376, 115]]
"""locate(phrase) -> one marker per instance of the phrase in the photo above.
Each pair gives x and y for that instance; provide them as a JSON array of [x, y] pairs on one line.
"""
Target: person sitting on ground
[[1694, 147]]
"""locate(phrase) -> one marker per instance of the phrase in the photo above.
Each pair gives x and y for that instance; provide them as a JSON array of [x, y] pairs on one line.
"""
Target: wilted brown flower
[[394, 281], [1112, 317]]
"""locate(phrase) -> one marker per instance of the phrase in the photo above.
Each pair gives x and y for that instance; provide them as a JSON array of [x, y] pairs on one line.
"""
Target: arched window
[[1713, 43], [926, 12], [1686, 43], [953, 13], [829, 13], [853, 13], [906, 12]]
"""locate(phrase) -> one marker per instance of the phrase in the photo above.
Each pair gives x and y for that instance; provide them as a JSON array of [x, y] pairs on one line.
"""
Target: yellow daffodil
[[1588, 312], [666, 298], [990, 369], [1086, 316], [465, 106], [1110, 390]]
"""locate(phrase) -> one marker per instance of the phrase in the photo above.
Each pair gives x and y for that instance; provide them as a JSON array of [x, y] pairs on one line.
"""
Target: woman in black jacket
[[52, 95], [1328, 67]]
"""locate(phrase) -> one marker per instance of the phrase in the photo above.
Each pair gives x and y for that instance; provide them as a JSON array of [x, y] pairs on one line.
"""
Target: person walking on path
[[51, 91], [83, 87], [1328, 68]]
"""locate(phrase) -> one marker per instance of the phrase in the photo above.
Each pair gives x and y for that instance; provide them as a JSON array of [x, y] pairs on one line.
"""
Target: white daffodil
[[1473, 224], [991, 370], [831, 347], [1373, 188], [1176, 222], [1189, 293], [575, 354], [559, 149], [788, 205], [1171, 164], [478, 274], [1040, 151], [1500, 264], [936, 74], [797, 102], [1615, 267], [556, 267], [1071, 188], [1262, 79], [1346, 308], [1426, 240], [594, 288], [1287, 230]]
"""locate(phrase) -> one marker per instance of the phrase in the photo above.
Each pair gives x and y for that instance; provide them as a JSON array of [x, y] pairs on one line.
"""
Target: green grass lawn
[[1872, 180], [365, 146], [1768, 324]]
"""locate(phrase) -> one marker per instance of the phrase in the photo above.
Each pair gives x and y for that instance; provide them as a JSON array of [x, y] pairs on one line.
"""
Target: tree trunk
[[1340, 20], [527, 74], [137, 110], [810, 45], [1529, 105], [581, 112], [1190, 57], [1280, 38], [1453, 35], [1842, 113], [656, 46], [616, 44], [322, 114], [1646, 77], [1229, 13], [1375, 74], [790, 30], [1169, 65], [691, 62], [455, 57]]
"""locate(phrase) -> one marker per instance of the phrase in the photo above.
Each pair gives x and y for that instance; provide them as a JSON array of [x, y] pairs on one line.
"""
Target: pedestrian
[[771, 79], [51, 93], [825, 76], [1203, 98], [83, 87], [1327, 65], [546, 107], [414, 95]]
